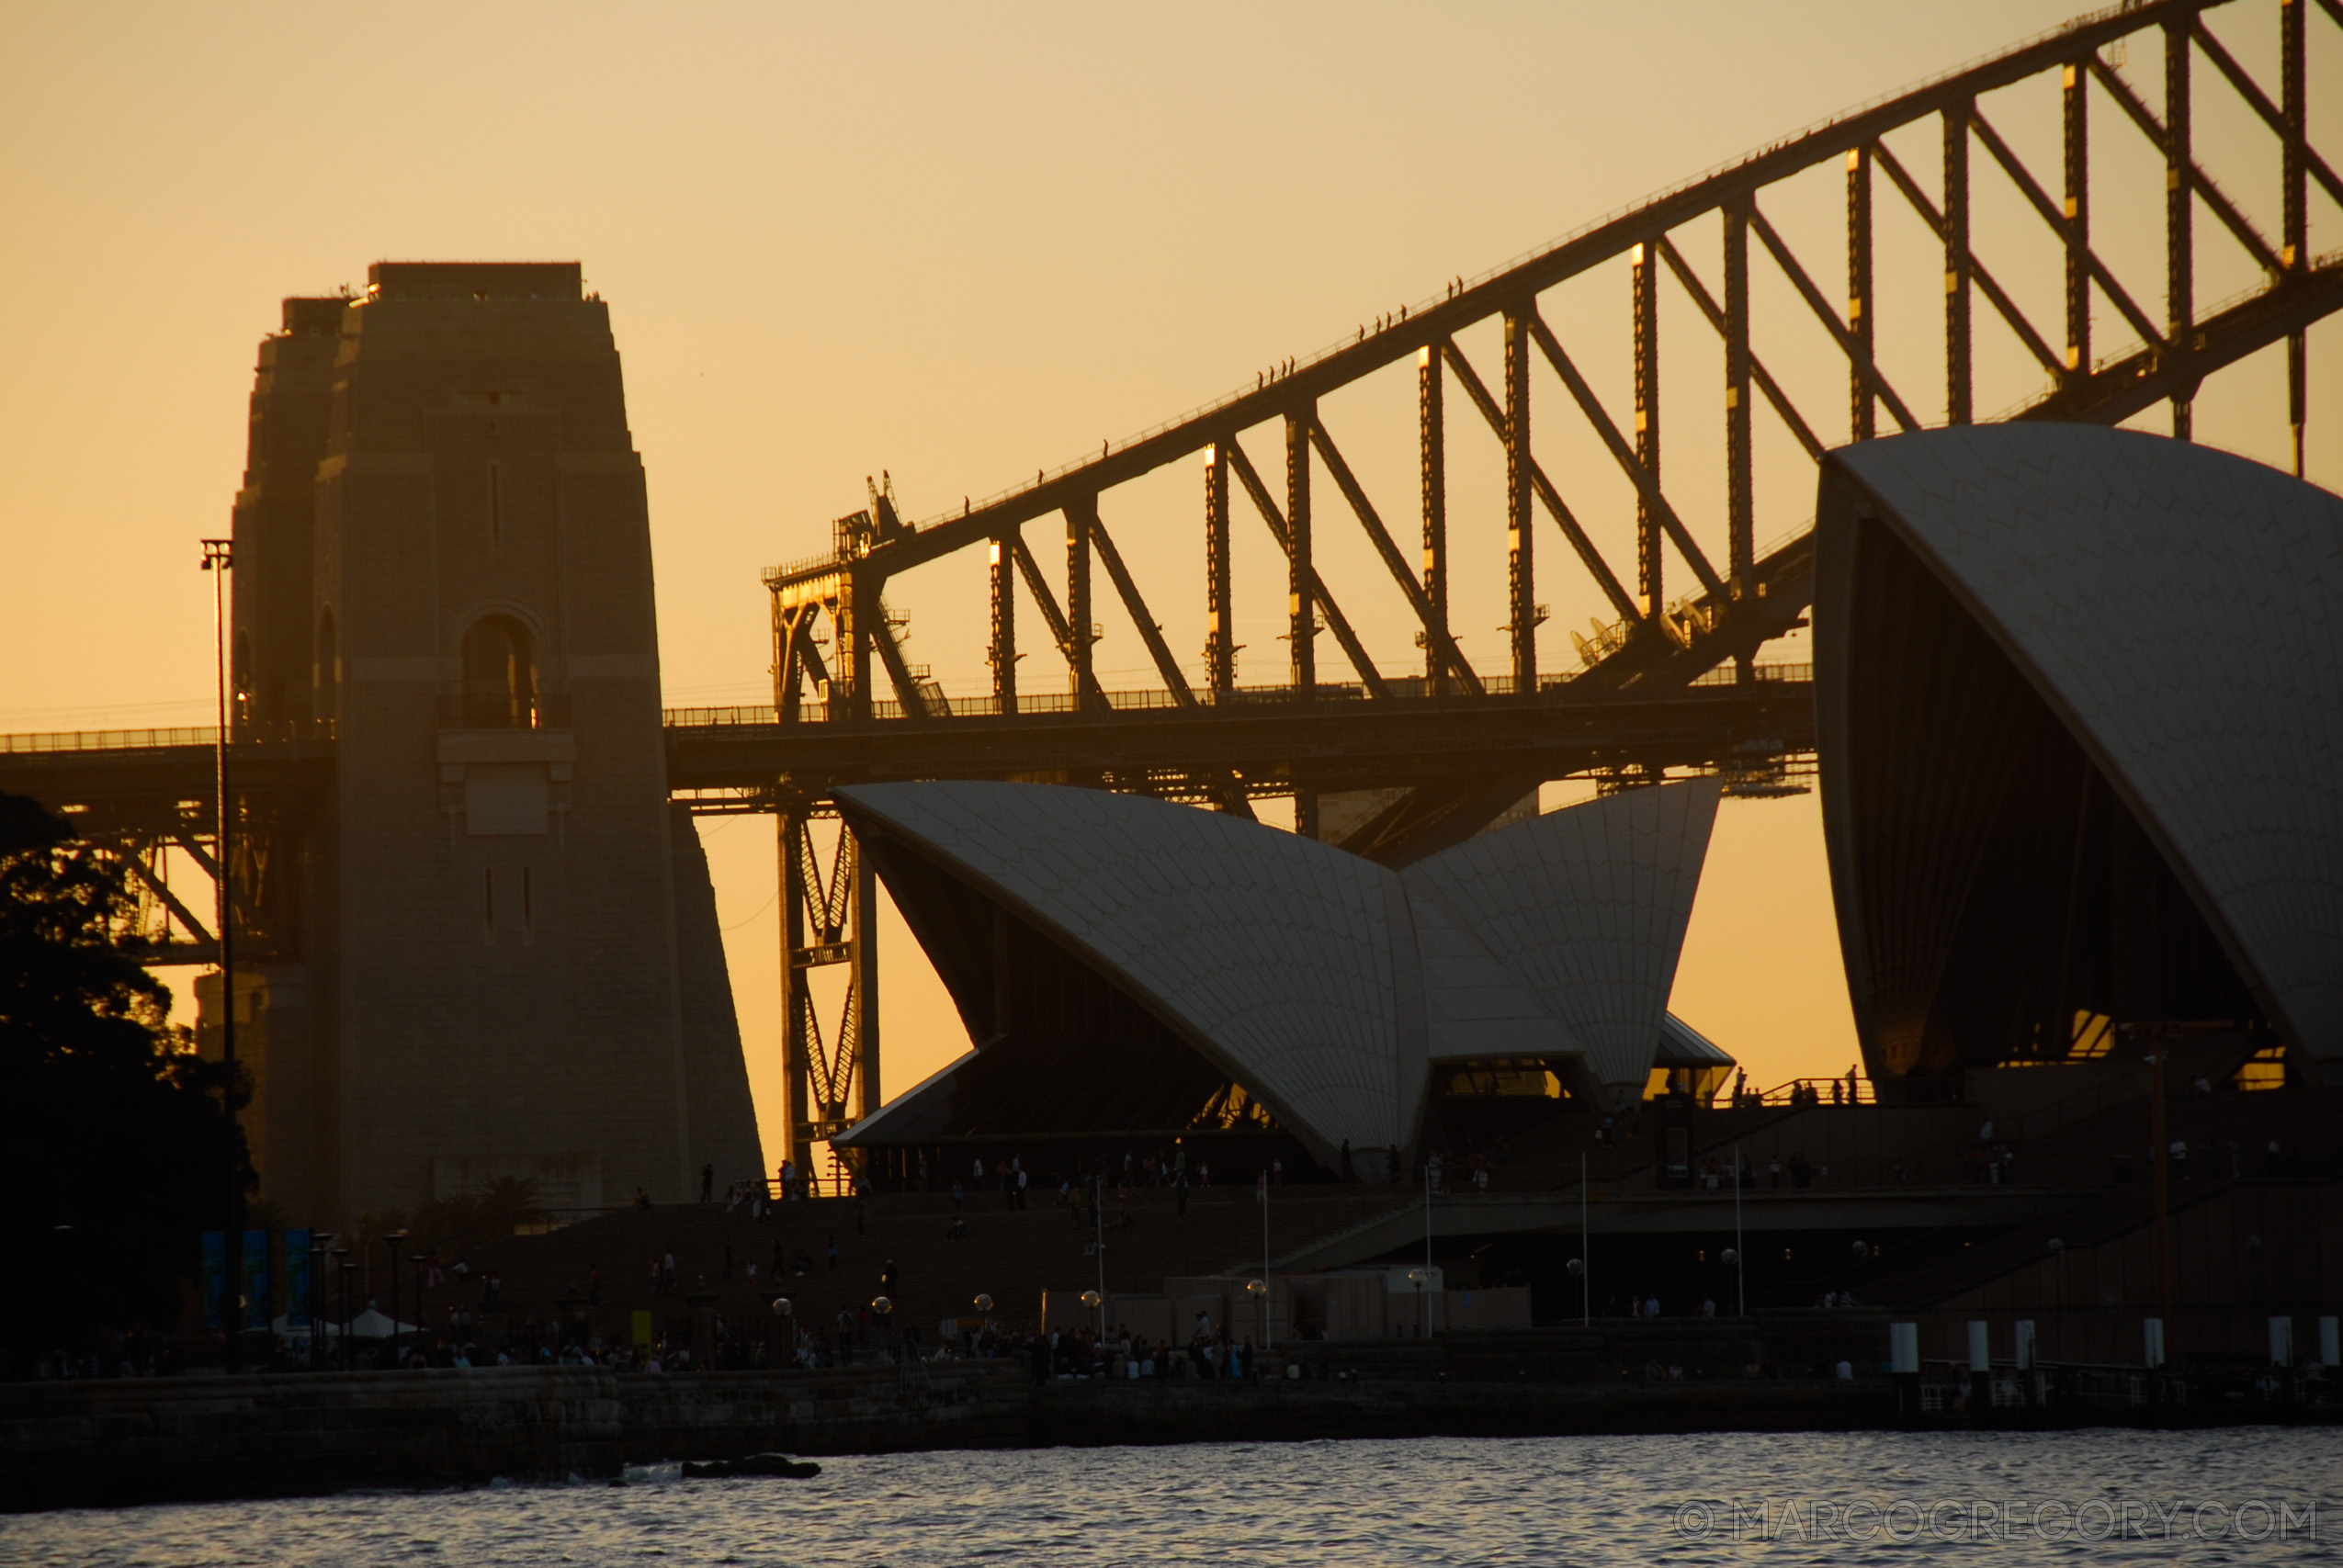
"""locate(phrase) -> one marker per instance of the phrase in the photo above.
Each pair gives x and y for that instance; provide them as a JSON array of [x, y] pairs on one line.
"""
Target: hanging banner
[[257, 1296], [298, 1279], [214, 1288]]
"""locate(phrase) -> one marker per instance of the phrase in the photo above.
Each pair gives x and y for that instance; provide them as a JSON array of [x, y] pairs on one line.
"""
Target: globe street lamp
[[1258, 1290], [1096, 1301], [1578, 1268], [1419, 1278]]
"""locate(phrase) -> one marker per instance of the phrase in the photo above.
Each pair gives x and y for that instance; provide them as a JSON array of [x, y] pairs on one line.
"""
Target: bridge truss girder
[[1204, 744]]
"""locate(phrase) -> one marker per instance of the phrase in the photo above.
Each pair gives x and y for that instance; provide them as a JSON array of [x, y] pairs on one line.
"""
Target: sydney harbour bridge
[[1672, 678]]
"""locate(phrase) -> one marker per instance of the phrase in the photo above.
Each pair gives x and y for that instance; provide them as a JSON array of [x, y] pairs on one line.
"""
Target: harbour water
[[2250, 1495]]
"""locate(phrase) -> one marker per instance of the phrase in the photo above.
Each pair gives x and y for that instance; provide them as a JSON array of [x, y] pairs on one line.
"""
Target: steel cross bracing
[[1189, 740], [1457, 744]]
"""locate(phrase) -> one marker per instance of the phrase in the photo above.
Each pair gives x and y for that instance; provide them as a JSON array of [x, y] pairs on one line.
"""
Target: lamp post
[[1098, 1234], [1096, 1301], [1586, 1246], [414, 1263], [1740, 1282], [391, 1239], [219, 557], [1419, 1277], [320, 1243], [1427, 1216], [1268, 1323], [879, 1308], [1258, 1290], [344, 1267]]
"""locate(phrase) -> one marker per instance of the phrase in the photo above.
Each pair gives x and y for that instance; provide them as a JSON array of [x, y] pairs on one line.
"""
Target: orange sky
[[960, 244]]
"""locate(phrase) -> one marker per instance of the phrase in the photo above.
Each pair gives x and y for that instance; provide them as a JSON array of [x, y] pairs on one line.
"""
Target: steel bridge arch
[[1669, 682]]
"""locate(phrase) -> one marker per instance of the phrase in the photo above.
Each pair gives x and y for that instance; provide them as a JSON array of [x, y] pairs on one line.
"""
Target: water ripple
[[1432, 1501]]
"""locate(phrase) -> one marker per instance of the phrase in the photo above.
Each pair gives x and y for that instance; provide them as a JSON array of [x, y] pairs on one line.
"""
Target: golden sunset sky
[[963, 243]]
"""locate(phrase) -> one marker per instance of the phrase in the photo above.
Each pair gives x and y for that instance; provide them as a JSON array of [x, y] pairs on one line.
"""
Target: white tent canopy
[[371, 1323]]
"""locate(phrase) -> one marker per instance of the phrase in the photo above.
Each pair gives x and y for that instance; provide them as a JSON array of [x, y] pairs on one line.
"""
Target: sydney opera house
[[2079, 709], [1130, 968], [2080, 714]]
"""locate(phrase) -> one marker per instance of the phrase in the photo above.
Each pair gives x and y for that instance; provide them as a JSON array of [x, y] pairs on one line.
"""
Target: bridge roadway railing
[[1146, 699], [51, 741]]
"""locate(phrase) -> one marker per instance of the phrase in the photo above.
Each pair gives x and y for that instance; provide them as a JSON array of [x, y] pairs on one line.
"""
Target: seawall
[[109, 1442], [112, 1442]]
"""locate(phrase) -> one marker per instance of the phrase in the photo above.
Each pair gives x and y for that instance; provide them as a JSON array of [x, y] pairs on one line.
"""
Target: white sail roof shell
[[1271, 952], [1587, 909], [1323, 982], [2178, 608]]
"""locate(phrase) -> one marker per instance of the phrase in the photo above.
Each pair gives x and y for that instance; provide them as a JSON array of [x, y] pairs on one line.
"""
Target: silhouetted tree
[[115, 1148]]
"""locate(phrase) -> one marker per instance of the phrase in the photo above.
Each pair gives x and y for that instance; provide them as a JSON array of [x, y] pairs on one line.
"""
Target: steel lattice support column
[[1956, 261], [1521, 575], [1650, 586], [792, 638], [1078, 610], [2075, 139], [2294, 210], [1301, 586], [2180, 203], [1432, 464], [1220, 638], [1740, 501], [853, 667], [861, 1068], [797, 1046], [1862, 404], [1002, 570]]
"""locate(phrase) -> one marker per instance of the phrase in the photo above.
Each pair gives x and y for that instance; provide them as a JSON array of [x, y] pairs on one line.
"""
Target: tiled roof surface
[[2178, 607], [1302, 969], [1587, 909]]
